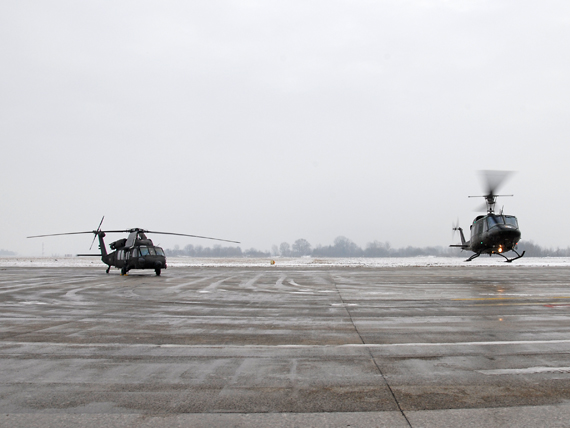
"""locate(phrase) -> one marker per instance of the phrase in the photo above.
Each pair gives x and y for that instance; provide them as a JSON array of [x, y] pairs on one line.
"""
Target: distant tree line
[[534, 250], [341, 247], [344, 247], [215, 251]]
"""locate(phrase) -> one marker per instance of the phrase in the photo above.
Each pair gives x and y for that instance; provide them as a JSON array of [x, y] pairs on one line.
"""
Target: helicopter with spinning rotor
[[136, 251], [492, 233]]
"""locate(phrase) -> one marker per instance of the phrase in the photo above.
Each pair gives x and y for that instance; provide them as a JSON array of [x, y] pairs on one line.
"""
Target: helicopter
[[492, 233], [134, 252]]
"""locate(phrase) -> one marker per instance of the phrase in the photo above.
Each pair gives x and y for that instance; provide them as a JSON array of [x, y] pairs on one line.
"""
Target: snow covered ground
[[294, 262]]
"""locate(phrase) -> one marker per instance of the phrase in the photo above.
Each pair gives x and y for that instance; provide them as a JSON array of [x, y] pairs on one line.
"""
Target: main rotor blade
[[129, 230], [78, 233], [58, 234], [493, 179], [192, 236], [103, 231]]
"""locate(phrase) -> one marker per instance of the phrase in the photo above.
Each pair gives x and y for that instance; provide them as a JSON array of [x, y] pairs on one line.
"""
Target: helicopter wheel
[[123, 271], [157, 271]]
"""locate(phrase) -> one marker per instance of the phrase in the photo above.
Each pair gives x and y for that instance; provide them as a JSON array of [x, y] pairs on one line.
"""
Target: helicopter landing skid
[[514, 258], [473, 256]]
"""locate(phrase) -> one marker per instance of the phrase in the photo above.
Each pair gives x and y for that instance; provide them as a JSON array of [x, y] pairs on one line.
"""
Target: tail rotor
[[96, 233], [454, 228]]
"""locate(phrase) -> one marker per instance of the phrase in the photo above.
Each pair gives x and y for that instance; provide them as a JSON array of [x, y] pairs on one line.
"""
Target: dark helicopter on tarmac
[[134, 252], [492, 233]]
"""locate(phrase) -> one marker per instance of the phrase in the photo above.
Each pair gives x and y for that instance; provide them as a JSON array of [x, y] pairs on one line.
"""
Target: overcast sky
[[266, 121]]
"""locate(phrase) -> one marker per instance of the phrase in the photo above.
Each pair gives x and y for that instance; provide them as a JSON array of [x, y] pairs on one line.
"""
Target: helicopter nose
[[508, 234], [511, 232]]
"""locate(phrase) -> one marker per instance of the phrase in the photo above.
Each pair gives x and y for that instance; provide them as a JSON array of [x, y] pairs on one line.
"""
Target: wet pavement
[[296, 346]]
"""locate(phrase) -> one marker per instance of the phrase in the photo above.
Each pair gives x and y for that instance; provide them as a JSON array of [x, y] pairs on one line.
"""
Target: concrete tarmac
[[473, 346]]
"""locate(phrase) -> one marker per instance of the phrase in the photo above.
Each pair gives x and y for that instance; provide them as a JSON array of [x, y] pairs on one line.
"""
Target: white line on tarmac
[[530, 370], [348, 345]]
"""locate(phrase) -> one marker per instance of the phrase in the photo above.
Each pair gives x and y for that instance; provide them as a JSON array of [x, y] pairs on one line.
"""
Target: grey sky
[[268, 121]]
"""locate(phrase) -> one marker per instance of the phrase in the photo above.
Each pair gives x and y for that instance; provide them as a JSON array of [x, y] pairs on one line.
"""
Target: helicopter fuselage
[[143, 257], [136, 252], [494, 233]]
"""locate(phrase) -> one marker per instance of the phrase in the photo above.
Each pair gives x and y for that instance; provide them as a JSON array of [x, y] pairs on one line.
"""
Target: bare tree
[[301, 247], [284, 249]]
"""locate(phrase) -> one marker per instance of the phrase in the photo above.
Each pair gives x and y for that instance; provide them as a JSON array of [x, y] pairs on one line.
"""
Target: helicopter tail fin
[[102, 247], [464, 244]]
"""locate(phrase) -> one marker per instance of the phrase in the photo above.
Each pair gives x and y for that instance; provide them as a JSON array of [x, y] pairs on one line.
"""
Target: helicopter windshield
[[512, 220], [494, 220], [151, 251]]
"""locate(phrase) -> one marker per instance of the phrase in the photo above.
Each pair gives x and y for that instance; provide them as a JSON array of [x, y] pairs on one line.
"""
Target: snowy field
[[174, 262]]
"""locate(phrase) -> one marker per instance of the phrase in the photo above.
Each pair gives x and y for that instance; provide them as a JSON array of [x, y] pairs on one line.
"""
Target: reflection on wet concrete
[[213, 340]]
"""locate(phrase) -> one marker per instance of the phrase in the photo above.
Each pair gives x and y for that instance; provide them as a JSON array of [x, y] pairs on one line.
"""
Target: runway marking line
[[511, 298], [529, 370], [347, 345], [548, 305]]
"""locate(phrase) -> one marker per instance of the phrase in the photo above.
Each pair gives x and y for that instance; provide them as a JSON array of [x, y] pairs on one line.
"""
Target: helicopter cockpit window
[[494, 220], [159, 251], [511, 220], [144, 251], [151, 251]]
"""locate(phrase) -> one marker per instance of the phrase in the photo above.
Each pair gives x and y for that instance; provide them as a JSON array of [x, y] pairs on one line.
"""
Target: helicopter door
[[477, 228]]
